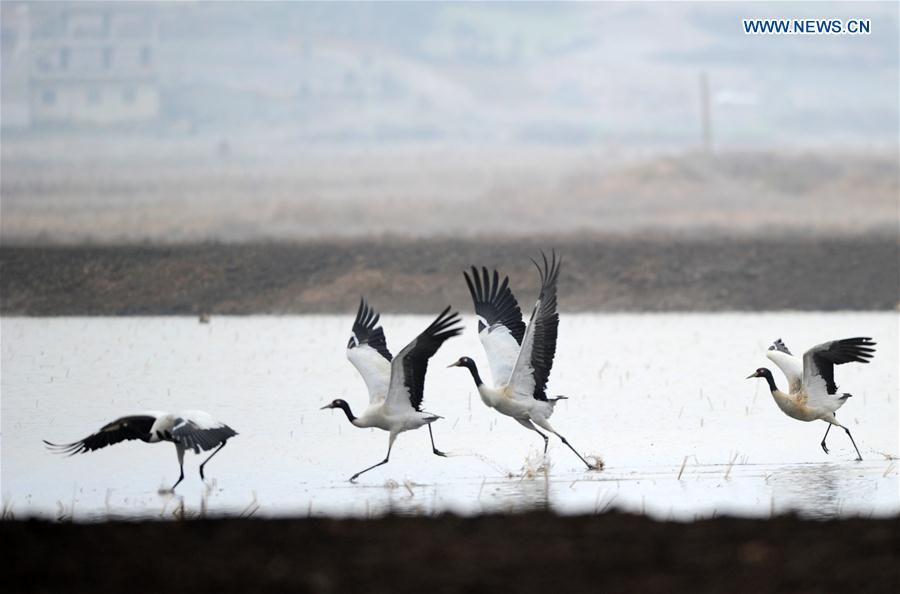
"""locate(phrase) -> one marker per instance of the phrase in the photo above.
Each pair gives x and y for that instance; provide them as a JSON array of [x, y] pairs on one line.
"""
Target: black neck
[[470, 365], [771, 380], [346, 408]]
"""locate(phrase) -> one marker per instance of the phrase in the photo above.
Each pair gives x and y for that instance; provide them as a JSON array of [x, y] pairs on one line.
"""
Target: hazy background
[[186, 121]]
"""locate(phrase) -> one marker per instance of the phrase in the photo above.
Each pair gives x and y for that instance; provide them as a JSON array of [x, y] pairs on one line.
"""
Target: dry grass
[[438, 194]]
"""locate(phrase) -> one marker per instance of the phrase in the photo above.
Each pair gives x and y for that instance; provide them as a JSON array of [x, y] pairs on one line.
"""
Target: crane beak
[[455, 364], [751, 376], [326, 406]]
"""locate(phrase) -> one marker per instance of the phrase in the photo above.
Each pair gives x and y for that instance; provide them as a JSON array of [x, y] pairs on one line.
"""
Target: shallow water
[[661, 398]]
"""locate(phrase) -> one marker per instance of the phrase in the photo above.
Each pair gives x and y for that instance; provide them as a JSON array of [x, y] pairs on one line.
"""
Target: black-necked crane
[[396, 384], [520, 359], [188, 430], [812, 394]]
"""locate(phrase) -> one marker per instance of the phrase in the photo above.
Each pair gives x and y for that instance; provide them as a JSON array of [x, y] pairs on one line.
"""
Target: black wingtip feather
[[546, 320], [415, 363], [441, 326], [494, 301], [852, 350], [838, 352], [122, 429], [779, 345], [367, 330], [68, 449]]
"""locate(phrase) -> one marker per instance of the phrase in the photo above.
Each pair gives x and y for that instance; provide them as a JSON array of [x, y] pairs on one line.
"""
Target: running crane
[[520, 359], [188, 430], [812, 394], [396, 384]]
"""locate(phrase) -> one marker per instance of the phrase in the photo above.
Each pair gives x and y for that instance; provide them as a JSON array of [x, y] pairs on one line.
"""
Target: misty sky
[[613, 73]]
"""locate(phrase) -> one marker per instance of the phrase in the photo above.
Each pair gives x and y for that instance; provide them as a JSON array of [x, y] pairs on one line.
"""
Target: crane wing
[[409, 366], [122, 429], [500, 325], [367, 351], [197, 430], [532, 368], [790, 366], [818, 368]]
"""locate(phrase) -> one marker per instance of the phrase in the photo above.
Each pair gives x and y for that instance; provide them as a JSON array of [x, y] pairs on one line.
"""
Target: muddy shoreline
[[600, 274], [536, 552]]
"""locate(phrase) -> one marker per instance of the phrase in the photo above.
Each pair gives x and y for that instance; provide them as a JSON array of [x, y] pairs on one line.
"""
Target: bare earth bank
[[423, 276]]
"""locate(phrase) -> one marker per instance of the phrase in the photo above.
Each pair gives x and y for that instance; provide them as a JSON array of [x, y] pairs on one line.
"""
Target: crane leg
[[529, 425], [580, 457], [180, 451], [433, 448], [824, 447], [385, 461], [218, 449], [858, 455]]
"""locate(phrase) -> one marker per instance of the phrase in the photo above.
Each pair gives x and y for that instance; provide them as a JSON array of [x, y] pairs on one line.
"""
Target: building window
[[44, 63], [9, 39], [94, 96], [47, 27], [128, 95], [145, 56], [48, 96], [107, 58], [132, 27], [64, 55], [87, 25]]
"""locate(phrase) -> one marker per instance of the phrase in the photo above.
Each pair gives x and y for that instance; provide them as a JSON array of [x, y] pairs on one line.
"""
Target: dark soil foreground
[[602, 274], [527, 553]]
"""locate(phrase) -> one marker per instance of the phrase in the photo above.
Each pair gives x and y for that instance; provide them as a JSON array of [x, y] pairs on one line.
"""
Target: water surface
[[660, 398]]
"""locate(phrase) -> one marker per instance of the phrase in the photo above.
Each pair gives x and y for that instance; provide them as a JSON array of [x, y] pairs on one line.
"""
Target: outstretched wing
[[790, 366], [368, 352], [779, 345], [197, 430], [500, 325], [122, 429], [819, 362], [532, 369], [409, 367]]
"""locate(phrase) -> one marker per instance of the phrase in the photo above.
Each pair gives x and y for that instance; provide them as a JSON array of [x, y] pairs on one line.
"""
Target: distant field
[[51, 195]]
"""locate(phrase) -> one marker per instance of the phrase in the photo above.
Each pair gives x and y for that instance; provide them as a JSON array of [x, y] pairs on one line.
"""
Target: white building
[[92, 63], [15, 68]]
